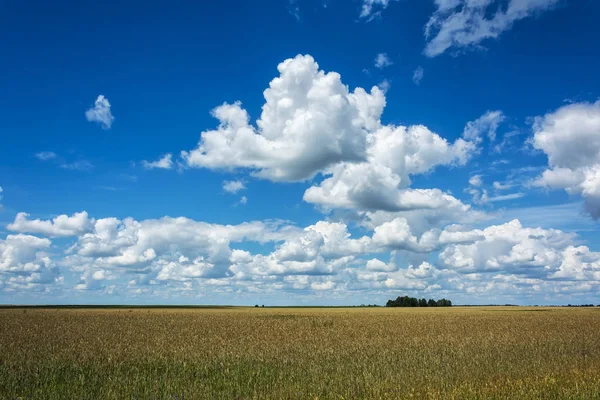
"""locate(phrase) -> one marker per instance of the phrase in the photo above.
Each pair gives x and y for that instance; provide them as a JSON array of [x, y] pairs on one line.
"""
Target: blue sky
[[300, 152]]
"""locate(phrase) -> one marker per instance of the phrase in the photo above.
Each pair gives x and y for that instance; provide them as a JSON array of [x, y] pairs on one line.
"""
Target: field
[[300, 353]]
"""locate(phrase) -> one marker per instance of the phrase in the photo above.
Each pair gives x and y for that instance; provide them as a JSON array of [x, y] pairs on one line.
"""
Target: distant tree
[[256, 306], [405, 301]]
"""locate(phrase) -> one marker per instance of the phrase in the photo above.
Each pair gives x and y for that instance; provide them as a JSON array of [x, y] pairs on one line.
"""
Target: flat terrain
[[341, 353]]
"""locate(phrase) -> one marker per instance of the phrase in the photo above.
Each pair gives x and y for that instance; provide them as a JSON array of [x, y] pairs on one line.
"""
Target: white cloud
[[393, 154], [379, 266], [487, 124], [481, 196], [367, 165], [100, 113], [94, 280], [475, 180], [114, 243], [309, 122], [243, 200], [570, 137], [463, 24], [502, 186], [164, 255], [24, 263], [382, 60], [294, 9], [165, 162], [510, 248], [512, 196], [368, 7], [233, 186], [320, 286], [79, 165], [418, 75], [45, 155], [385, 85], [60, 226]]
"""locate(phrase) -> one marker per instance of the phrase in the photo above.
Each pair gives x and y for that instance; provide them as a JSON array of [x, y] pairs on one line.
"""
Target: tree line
[[406, 301]]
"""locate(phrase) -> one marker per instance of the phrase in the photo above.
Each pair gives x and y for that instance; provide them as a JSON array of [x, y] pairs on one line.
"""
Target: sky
[[299, 152]]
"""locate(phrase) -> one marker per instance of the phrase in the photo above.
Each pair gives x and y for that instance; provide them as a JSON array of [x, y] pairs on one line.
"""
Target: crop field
[[238, 353]]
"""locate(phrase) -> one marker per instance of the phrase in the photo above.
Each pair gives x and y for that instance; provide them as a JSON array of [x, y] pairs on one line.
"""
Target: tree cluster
[[406, 301]]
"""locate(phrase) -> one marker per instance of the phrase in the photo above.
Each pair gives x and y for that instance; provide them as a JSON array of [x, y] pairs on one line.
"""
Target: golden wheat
[[300, 353]]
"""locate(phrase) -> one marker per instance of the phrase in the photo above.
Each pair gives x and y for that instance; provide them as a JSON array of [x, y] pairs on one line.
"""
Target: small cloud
[[488, 124], [243, 200], [128, 177], [45, 155], [109, 188], [418, 75], [382, 60], [294, 9], [233, 186], [79, 165], [369, 5], [100, 113], [165, 162], [475, 180], [384, 85], [512, 196], [501, 186]]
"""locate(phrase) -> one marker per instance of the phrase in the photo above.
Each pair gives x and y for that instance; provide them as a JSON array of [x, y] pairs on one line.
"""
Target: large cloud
[[63, 225], [463, 24], [25, 263], [309, 121], [393, 155], [512, 248], [159, 256], [570, 137]]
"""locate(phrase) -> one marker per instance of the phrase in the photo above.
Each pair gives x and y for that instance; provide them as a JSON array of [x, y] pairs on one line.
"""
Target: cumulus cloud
[[394, 153], [94, 280], [570, 137], [233, 186], [511, 248], [418, 75], [310, 124], [182, 254], [61, 226], [165, 162], [100, 113], [25, 264], [464, 24], [382, 60], [310, 121]]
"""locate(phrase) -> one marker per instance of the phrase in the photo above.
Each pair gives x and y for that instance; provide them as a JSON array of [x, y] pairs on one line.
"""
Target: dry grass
[[300, 353]]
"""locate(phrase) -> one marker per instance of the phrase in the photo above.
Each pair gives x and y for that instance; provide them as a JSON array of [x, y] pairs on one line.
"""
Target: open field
[[338, 353]]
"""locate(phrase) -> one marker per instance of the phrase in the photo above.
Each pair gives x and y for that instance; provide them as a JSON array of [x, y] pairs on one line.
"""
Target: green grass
[[299, 353]]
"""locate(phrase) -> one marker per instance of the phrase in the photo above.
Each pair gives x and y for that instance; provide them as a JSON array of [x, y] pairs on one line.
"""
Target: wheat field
[[342, 353]]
